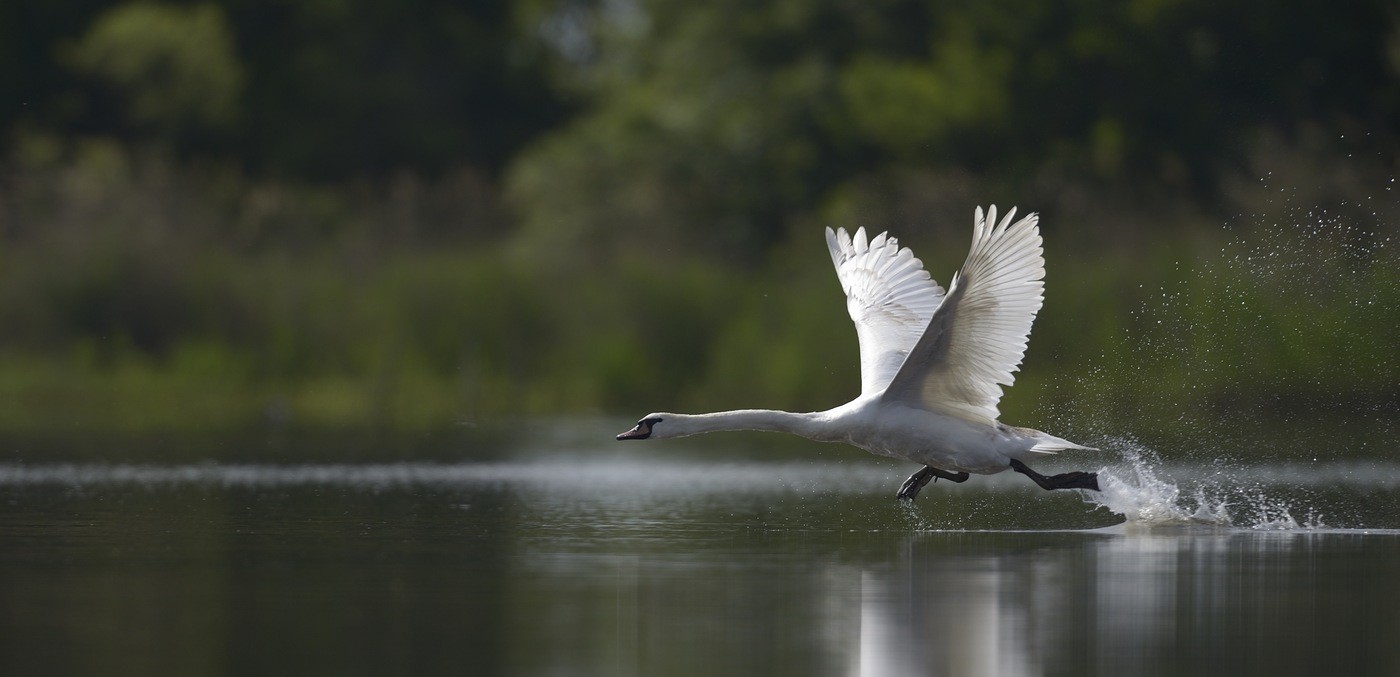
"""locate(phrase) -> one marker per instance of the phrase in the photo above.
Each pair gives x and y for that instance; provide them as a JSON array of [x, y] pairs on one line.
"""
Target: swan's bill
[[641, 431]]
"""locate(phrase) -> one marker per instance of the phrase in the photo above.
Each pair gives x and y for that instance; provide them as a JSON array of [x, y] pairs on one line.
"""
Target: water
[[568, 553]]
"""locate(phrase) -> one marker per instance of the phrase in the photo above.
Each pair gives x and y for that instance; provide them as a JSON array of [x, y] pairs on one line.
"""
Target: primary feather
[[890, 298], [977, 337]]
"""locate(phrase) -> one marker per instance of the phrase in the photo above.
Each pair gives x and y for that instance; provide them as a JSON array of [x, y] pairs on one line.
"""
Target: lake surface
[[569, 554]]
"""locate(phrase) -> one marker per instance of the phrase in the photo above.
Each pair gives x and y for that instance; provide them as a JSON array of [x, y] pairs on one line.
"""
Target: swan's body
[[932, 362]]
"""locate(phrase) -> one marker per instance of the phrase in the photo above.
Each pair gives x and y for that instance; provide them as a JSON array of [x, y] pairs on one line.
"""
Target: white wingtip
[[833, 244]]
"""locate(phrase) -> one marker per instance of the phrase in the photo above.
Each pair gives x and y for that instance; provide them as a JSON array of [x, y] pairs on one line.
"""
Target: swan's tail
[[1049, 444]]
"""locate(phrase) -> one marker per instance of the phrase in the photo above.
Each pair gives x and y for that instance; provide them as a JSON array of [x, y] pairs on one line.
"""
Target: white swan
[[931, 362]]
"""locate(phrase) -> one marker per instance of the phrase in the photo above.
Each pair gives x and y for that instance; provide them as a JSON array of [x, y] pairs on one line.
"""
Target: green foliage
[[139, 328], [415, 214], [305, 90], [175, 66], [701, 102], [908, 108]]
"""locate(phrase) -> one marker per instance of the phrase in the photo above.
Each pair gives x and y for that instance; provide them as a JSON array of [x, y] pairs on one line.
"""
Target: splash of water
[[1260, 352], [1135, 490]]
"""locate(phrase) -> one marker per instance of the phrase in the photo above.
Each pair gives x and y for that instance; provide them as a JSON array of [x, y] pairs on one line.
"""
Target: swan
[[931, 361]]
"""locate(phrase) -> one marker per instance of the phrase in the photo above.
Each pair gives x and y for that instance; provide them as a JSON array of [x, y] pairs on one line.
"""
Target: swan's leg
[[918, 480], [1069, 480]]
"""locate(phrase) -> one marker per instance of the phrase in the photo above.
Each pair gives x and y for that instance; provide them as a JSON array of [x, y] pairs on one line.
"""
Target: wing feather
[[977, 338], [890, 298]]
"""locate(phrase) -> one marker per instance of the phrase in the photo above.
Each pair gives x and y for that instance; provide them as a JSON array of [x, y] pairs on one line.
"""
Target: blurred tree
[[714, 125], [294, 187], [174, 67], [710, 125], [726, 116], [32, 82], [322, 90], [345, 87], [906, 108]]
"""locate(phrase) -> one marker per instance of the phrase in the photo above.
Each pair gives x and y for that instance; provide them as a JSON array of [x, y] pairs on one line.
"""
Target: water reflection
[[674, 567], [949, 606], [1183, 602]]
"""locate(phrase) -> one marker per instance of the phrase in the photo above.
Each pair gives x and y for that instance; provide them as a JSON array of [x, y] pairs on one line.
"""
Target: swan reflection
[[1050, 603]]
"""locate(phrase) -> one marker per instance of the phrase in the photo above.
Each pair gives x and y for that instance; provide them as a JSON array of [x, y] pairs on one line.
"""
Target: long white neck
[[681, 425]]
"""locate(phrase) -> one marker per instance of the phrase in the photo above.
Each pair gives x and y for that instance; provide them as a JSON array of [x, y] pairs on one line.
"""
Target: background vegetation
[[256, 213]]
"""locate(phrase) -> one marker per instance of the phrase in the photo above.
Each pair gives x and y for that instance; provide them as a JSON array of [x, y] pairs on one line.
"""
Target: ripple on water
[[1144, 490]]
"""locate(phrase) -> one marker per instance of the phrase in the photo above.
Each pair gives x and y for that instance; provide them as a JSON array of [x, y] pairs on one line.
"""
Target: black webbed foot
[[1069, 480], [918, 480]]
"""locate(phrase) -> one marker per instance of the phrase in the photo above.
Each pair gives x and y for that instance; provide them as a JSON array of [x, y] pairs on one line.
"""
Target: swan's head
[[651, 425]]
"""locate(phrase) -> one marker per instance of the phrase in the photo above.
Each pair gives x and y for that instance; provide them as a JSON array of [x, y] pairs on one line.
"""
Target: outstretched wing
[[978, 335], [890, 297]]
